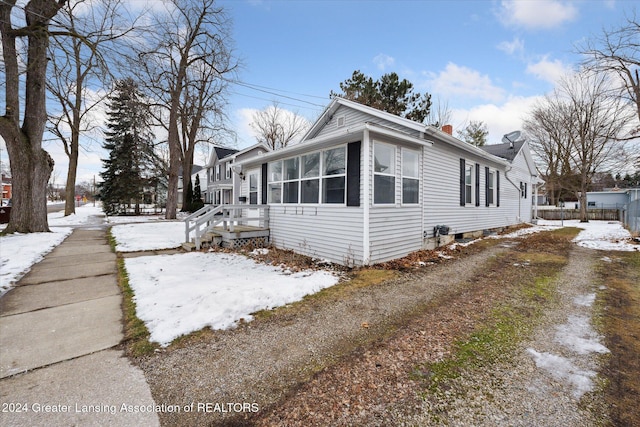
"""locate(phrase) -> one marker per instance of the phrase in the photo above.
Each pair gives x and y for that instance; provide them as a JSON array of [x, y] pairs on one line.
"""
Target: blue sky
[[485, 60]]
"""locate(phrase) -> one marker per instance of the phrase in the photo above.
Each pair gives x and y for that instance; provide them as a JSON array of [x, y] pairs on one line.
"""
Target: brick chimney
[[448, 129]]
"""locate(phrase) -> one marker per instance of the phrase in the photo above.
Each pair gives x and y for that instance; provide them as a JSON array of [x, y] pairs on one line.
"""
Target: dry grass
[[620, 320]]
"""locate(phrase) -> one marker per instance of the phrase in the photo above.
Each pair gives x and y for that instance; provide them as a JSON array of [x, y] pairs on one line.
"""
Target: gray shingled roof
[[504, 150], [224, 152]]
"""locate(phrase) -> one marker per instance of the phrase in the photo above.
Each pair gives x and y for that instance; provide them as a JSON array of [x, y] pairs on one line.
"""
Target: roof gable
[[223, 152], [328, 113]]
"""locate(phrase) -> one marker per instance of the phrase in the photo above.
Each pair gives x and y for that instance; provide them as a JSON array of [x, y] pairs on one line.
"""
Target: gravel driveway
[[348, 361], [259, 362]]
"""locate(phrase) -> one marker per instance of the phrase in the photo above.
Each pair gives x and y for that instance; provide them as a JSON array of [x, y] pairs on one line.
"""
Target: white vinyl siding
[[441, 194], [353, 118], [326, 232], [394, 232]]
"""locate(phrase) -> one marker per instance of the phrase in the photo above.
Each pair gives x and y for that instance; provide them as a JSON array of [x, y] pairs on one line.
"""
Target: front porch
[[229, 226]]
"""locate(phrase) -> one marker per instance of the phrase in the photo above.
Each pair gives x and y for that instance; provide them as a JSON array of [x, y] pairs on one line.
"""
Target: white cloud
[[516, 46], [456, 80], [383, 61], [499, 118], [246, 134], [542, 14], [550, 71]]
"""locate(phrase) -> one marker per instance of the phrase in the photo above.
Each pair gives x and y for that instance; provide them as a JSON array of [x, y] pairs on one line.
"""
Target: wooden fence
[[593, 214]]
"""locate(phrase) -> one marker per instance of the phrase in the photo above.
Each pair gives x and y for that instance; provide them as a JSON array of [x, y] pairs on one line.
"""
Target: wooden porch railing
[[206, 219]]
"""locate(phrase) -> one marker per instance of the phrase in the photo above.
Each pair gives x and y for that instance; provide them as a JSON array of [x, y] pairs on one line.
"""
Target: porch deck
[[242, 235], [228, 226]]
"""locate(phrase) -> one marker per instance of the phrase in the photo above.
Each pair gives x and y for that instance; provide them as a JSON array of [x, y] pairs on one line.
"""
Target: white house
[[222, 185], [365, 186]]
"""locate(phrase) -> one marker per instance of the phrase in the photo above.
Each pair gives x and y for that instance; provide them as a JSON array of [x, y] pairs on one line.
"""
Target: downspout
[[506, 172], [535, 200], [366, 248]]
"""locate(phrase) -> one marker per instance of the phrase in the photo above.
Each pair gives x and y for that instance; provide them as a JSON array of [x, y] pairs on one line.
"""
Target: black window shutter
[[264, 183], [486, 186], [477, 184], [498, 188], [353, 174], [462, 190]]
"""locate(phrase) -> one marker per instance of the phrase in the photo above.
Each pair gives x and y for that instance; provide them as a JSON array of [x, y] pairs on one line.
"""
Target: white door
[[253, 178]]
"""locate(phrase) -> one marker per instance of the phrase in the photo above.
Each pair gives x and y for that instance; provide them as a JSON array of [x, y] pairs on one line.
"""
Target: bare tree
[[582, 125], [276, 127], [79, 72], [548, 134], [31, 165], [185, 66], [617, 53], [440, 115]]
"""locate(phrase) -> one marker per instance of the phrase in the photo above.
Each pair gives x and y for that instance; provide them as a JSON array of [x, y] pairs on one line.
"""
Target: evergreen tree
[[188, 199], [475, 133], [132, 162], [388, 94], [193, 196], [197, 191]]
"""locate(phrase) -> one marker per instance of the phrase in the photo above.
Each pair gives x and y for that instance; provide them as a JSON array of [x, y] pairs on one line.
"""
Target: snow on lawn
[[18, 252], [87, 214], [579, 338], [179, 294], [148, 236], [601, 235]]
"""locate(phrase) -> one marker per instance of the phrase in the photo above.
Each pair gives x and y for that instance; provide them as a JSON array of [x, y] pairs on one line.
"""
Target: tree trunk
[[31, 169], [187, 165], [31, 166], [174, 166], [70, 187], [583, 207]]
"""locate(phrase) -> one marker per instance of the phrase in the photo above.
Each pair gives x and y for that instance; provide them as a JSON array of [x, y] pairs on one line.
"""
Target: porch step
[[189, 246]]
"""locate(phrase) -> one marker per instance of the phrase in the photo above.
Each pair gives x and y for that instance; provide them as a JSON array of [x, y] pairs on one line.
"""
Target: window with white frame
[[468, 184], [253, 188], [334, 177], [384, 173], [218, 172], [310, 178], [306, 178], [227, 170], [410, 176], [491, 177], [274, 188], [291, 180]]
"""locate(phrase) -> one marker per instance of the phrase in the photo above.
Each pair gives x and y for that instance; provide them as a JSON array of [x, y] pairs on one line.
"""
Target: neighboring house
[[365, 186], [222, 184], [6, 189], [613, 199]]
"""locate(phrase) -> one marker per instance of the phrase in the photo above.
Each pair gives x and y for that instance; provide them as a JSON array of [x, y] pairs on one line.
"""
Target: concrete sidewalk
[[58, 330]]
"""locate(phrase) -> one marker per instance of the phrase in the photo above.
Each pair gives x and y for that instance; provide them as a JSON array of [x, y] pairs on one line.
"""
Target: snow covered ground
[[177, 294]]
